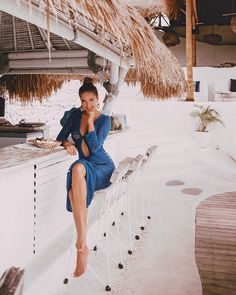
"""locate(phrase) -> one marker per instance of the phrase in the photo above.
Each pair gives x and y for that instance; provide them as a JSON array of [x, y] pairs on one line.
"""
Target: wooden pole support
[[189, 50]]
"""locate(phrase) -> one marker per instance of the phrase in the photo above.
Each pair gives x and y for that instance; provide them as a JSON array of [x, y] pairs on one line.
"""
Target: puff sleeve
[[66, 130]]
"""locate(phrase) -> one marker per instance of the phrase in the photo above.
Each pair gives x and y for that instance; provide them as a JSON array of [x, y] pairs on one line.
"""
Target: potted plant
[[205, 116]]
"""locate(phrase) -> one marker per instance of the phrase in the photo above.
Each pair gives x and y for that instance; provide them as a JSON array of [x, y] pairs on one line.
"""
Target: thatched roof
[[25, 46], [149, 8], [29, 87], [123, 29], [155, 66]]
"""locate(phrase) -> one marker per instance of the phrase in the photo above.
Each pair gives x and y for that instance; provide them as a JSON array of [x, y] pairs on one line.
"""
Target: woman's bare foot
[[81, 261]]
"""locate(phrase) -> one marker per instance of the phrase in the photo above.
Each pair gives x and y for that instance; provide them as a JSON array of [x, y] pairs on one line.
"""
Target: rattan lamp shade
[[213, 39], [171, 38], [233, 24]]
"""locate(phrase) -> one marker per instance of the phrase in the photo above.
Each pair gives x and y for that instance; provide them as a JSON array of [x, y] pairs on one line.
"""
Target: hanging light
[[171, 38], [233, 24], [212, 38]]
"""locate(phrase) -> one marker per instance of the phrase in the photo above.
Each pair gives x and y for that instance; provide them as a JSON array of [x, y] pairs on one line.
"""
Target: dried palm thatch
[[159, 90], [155, 66], [28, 88], [150, 8]]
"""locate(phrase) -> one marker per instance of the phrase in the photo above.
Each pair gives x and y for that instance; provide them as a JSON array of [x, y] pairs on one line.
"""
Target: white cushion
[[230, 95]]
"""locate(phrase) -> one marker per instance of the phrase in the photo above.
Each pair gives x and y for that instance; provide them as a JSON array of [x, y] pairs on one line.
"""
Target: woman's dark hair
[[88, 87]]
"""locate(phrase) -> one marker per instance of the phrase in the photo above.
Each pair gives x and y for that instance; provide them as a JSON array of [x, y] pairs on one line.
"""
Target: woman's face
[[89, 101]]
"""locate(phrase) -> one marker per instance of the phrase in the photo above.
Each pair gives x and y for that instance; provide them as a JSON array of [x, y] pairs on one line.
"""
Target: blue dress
[[99, 166]]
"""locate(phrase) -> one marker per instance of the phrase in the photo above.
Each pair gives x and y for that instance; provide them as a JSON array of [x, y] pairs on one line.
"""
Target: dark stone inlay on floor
[[192, 191], [174, 182]]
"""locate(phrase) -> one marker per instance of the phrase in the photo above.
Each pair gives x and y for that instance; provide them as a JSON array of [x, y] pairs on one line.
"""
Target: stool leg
[[70, 258], [117, 211], [108, 287], [142, 199], [149, 193]]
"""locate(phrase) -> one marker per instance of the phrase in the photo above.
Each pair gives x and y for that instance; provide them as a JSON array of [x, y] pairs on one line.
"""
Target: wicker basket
[[45, 143]]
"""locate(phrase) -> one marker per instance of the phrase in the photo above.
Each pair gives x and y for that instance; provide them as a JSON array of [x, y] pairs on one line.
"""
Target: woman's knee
[[79, 170]]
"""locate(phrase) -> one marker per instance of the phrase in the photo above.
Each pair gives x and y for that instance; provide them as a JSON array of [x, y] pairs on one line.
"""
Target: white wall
[[170, 120], [207, 55], [209, 58], [211, 76]]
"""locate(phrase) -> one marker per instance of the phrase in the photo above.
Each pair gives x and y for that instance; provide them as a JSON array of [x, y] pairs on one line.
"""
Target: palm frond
[[206, 116]]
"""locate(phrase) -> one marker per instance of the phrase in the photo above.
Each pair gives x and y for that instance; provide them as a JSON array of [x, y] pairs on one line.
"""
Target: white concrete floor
[[164, 258]]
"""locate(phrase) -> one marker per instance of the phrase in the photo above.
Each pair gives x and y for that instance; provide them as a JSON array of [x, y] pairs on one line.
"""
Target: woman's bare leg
[[78, 203]]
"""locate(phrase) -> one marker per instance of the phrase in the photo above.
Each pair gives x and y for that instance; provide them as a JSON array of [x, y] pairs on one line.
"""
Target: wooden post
[[116, 79], [194, 20], [194, 41], [189, 51], [111, 97]]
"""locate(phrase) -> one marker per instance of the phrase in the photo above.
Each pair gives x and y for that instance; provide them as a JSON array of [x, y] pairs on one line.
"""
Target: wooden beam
[[84, 37], [189, 51], [4, 63], [58, 71], [0, 17], [30, 35], [194, 40], [44, 54], [195, 11], [194, 21], [77, 62], [67, 44], [43, 35], [14, 32]]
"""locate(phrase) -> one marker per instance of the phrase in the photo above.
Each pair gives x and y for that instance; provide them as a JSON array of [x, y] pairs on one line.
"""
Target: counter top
[[11, 157]]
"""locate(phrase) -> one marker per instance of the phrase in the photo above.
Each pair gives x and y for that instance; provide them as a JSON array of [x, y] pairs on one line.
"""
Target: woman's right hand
[[70, 148]]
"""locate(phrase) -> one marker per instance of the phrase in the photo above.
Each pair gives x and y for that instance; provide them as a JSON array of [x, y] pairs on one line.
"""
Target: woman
[[93, 169]]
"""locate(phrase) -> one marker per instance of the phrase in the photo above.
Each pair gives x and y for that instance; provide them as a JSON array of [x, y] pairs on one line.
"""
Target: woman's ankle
[[81, 244]]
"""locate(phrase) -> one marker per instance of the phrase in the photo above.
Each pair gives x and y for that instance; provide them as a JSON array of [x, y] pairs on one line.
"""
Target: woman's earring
[[98, 105], [82, 109]]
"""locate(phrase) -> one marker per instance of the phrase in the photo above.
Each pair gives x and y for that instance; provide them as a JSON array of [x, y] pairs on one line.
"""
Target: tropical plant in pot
[[205, 116]]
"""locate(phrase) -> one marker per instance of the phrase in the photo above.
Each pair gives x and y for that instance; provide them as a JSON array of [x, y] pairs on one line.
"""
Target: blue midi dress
[[99, 165]]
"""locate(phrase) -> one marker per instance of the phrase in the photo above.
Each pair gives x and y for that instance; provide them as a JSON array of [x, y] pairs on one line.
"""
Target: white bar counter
[[33, 202]]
